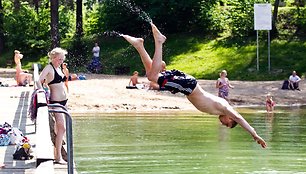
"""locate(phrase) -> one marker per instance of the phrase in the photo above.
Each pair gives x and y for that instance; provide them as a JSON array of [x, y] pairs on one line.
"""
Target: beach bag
[[285, 84], [4, 140], [82, 77]]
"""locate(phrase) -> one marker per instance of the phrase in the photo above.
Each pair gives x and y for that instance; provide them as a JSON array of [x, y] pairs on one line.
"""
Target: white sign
[[262, 16]]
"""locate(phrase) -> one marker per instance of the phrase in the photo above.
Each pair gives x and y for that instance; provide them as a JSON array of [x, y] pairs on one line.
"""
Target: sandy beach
[[108, 93]]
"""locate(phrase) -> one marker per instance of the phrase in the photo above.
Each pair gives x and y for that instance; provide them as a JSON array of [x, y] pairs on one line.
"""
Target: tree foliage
[[25, 25], [24, 29], [29, 31], [242, 18], [134, 16]]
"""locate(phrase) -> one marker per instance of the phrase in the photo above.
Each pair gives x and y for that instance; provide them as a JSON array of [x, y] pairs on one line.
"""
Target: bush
[[241, 20], [291, 22]]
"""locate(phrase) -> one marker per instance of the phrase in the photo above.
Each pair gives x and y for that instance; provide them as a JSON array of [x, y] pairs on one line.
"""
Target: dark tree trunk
[[70, 4], [2, 43], [55, 40], [274, 32], [17, 5], [79, 18], [36, 5]]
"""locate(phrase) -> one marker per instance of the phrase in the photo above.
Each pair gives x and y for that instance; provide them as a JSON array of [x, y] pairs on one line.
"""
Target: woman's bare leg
[[60, 130], [138, 45]]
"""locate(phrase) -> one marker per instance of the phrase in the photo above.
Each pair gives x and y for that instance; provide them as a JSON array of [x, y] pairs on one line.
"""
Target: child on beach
[[176, 81], [134, 79], [269, 103], [134, 83]]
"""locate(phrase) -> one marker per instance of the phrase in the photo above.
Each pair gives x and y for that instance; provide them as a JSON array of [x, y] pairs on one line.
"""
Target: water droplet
[[112, 34]]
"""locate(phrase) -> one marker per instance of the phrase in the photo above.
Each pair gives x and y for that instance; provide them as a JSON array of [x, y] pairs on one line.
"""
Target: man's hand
[[260, 141]]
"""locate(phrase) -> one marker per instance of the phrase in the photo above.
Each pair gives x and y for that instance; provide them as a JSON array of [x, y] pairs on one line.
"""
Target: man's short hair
[[234, 124]]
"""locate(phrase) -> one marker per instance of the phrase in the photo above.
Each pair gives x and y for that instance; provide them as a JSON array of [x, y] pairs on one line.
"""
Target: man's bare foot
[[136, 42], [158, 36]]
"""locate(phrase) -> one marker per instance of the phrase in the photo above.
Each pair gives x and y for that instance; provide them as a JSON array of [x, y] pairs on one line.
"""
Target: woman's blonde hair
[[223, 72], [56, 51]]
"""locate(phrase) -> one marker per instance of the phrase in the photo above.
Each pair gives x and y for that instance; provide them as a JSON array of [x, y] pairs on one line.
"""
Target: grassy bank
[[204, 58]]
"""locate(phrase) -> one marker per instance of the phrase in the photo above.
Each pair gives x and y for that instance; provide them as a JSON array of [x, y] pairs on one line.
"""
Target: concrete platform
[[14, 110]]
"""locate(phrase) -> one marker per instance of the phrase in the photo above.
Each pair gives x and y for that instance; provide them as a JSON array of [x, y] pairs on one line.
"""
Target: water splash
[[136, 10], [112, 34]]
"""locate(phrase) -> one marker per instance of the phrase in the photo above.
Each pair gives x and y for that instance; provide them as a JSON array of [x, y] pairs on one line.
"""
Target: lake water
[[190, 143]]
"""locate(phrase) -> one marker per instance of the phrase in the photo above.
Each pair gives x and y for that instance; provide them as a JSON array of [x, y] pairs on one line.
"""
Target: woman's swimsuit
[[58, 79], [223, 91], [270, 103], [63, 102], [176, 81]]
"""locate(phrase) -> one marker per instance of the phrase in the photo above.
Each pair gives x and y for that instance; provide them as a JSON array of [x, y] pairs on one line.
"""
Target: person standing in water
[[177, 81], [269, 103], [223, 85]]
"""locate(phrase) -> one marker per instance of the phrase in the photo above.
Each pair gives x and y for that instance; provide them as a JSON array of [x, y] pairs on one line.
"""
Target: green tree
[[241, 19], [128, 16], [17, 34]]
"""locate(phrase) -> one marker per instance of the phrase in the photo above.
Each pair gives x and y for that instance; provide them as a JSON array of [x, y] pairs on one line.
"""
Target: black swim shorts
[[176, 81], [63, 102]]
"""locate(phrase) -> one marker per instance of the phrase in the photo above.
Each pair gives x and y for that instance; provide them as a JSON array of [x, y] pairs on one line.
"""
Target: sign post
[[263, 21]]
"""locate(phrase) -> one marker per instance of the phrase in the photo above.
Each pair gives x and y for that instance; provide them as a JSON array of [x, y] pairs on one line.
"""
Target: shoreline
[[115, 98], [101, 93]]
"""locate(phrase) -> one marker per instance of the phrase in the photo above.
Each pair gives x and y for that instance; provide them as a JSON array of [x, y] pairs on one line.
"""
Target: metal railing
[[68, 134]]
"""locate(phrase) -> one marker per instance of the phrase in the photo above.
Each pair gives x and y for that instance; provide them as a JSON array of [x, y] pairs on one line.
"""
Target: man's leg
[[291, 86], [155, 66], [159, 39], [296, 85], [138, 45]]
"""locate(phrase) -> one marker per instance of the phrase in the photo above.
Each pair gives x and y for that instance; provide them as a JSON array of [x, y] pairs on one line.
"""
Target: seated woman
[[22, 78]]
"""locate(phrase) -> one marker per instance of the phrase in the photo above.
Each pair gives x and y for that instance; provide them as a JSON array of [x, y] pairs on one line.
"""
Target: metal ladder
[[68, 134]]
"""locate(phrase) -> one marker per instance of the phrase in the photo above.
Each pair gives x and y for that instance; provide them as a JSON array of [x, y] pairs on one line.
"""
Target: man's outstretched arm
[[243, 123]]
